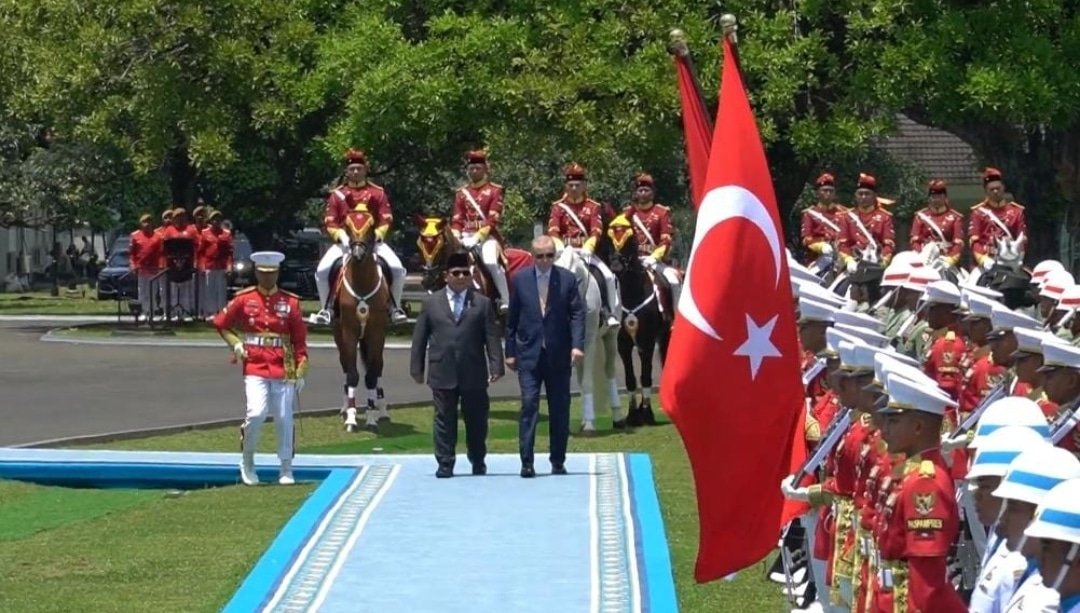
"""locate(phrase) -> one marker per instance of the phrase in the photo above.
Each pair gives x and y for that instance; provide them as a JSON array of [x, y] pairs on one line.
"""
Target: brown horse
[[437, 242], [361, 318]]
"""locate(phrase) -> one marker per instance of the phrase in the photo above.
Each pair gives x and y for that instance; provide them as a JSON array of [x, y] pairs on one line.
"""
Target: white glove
[[826, 249], [649, 262], [299, 385], [468, 242], [794, 493], [988, 263], [852, 266], [343, 240], [240, 350], [950, 443]]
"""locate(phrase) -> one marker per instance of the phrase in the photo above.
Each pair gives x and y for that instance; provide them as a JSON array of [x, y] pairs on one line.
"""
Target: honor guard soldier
[[1057, 528], [653, 222], [1069, 329], [870, 233], [1061, 371], [913, 333], [946, 348], [824, 225], [144, 256], [1002, 341], [1029, 479], [574, 221], [993, 219], [999, 568], [938, 224], [264, 327], [356, 194], [474, 220], [919, 521], [1027, 360]]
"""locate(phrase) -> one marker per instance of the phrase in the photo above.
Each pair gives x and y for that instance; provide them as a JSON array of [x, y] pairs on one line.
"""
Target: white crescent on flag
[[720, 205]]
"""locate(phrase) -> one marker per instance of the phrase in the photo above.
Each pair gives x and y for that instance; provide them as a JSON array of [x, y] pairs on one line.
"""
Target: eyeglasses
[[544, 256], [458, 273]]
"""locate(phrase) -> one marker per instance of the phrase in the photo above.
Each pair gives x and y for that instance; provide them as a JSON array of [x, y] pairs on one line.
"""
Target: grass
[[82, 301], [193, 331], [116, 558]]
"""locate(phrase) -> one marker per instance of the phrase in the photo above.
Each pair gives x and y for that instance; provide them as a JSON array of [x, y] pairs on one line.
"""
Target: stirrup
[[503, 308], [322, 317], [398, 316]]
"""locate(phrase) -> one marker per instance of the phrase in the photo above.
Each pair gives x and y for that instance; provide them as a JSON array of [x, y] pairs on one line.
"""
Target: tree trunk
[[182, 178]]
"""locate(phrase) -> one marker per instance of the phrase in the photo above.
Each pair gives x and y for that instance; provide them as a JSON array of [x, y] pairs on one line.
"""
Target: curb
[[52, 337], [60, 318]]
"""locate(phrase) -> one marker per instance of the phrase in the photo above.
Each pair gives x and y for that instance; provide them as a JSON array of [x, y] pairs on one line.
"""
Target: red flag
[[793, 508], [731, 383], [695, 127]]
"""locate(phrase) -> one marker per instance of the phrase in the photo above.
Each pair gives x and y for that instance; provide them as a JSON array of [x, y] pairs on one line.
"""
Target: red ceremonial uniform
[[862, 226], [877, 475], [1071, 442], [945, 227], [656, 219], [944, 363], [822, 224], [488, 198], [159, 232], [916, 528], [983, 375], [1049, 408], [989, 222], [189, 232], [575, 223], [261, 318], [144, 253], [215, 249], [369, 198]]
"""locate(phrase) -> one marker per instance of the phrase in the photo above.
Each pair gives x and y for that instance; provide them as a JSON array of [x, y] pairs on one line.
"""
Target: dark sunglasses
[[458, 272], [544, 256]]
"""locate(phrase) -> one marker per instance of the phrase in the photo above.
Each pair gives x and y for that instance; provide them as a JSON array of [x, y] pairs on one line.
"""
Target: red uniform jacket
[[159, 232], [878, 225], [215, 249], [574, 232], [915, 530], [983, 375], [944, 363], [144, 254], [189, 232], [253, 315], [368, 198], [983, 229], [656, 220], [465, 218], [946, 227], [822, 224]]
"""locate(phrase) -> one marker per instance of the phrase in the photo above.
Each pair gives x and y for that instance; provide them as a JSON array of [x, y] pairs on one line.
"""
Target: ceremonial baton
[[973, 418], [832, 437]]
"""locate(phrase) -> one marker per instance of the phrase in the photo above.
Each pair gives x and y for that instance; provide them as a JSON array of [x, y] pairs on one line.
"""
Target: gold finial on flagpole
[[677, 45], [731, 27]]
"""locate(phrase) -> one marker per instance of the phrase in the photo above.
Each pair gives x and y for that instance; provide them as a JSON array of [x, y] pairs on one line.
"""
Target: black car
[[302, 253], [117, 281], [242, 274]]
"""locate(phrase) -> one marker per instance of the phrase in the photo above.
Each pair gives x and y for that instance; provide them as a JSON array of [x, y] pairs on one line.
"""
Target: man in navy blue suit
[[545, 337]]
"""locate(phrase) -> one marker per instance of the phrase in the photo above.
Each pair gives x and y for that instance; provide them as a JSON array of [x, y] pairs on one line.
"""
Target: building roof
[[938, 153]]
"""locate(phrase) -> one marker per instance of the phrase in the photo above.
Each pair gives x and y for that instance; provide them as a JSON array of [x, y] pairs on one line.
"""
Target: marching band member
[[264, 327]]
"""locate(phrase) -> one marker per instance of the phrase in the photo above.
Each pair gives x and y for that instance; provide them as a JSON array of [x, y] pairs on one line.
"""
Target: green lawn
[[81, 302], [192, 331], [190, 520]]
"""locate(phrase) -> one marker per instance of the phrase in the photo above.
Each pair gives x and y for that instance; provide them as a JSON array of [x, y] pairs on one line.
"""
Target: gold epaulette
[[376, 186], [884, 210], [1017, 204], [288, 293], [495, 185], [662, 206], [927, 469], [950, 335], [975, 206], [247, 290]]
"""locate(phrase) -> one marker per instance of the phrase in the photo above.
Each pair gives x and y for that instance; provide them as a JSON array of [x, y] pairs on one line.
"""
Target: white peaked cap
[[1031, 341], [1035, 472], [1004, 318], [1059, 354], [859, 320], [1070, 299], [267, 260], [821, 294], [834, 337], [1055, 283], [909, 395], [1058, 515], [980, 306], [1010, 411], [812, 310], [1044, 268], [942, 292], [999, 449], [867, 336]]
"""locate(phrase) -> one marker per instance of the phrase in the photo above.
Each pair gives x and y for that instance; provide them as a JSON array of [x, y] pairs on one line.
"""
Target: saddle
[[336, 279], [477, 263]]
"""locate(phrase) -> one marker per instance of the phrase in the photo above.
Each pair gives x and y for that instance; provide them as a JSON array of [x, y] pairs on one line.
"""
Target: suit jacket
[[560, 329], [455, 351]]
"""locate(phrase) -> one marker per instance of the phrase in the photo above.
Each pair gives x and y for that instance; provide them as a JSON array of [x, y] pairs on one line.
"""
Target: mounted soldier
[[357, 194], [475, 219], [575, 222], [653, 222], [870, 235], [937, 231], [823, 226], [998, 226]]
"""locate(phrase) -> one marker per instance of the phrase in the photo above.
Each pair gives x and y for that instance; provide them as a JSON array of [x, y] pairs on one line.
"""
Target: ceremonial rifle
[[813, 371], [1063, 424], [973, 418], [828, 442]]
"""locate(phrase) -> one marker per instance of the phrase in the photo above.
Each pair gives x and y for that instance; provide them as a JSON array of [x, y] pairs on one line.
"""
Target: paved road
[[56, 390]]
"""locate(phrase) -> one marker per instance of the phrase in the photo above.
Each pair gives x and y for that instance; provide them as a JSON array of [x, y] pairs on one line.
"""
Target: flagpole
[[678, 47], [730, 26]]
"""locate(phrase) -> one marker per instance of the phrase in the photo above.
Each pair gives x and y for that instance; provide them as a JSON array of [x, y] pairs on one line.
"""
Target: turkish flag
[[696, 129], [731, 382]]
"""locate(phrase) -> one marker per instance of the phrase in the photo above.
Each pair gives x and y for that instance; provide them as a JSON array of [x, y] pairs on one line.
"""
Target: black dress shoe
[[558, 469], [479, 469], [527, 471], [444, 472]]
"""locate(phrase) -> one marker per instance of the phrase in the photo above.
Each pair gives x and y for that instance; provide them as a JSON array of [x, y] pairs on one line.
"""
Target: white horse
[[600, 343], [1008, 254]]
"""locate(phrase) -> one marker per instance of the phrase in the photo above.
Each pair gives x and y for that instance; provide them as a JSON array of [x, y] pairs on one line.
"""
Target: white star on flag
[[758, 345]]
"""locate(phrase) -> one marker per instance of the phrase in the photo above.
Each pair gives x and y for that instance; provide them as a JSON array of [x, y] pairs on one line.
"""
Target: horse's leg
[[645, 346], [371, 423], [375, 370], [346, 342], [585, 372], [611, 350], [626, 352]]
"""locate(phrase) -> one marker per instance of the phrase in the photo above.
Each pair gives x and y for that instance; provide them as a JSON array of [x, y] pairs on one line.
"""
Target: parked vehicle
[[116, 281], [242, 273]]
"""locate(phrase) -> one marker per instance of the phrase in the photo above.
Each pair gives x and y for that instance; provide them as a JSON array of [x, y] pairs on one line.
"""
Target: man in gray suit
[[459, 324]]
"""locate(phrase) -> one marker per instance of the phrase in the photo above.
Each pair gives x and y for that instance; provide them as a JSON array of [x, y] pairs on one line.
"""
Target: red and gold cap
[[355, 156], [574, 172], [825, 179], [644, 179], [867, 181], [937, 186], [991, 174], [476, 156]]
